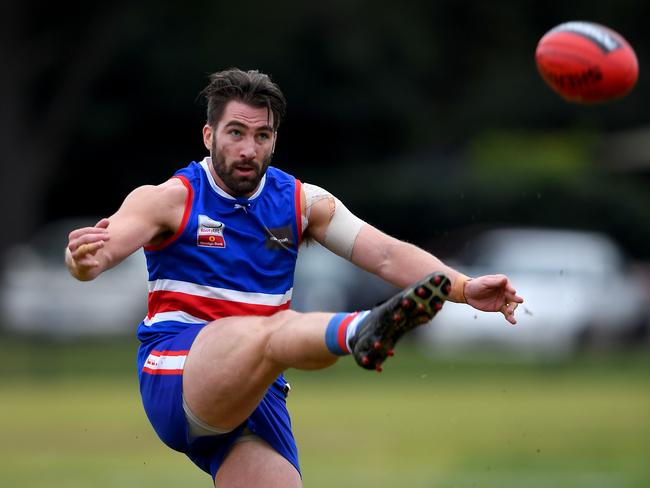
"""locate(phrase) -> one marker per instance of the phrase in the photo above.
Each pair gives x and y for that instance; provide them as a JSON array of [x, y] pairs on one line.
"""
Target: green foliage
[[522, 158]]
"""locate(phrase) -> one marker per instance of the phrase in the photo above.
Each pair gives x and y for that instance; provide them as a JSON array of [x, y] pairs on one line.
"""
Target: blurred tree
[[50, 57], [384, 98]]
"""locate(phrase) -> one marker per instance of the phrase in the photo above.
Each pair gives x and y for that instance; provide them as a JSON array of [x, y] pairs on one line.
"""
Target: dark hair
[[250, 87]]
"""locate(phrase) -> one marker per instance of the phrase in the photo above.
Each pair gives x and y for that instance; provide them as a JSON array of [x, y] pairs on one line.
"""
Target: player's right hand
[[493, 293], [83, 245]]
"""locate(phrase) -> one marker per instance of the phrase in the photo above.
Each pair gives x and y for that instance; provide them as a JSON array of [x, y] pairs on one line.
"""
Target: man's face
[[241, 147]]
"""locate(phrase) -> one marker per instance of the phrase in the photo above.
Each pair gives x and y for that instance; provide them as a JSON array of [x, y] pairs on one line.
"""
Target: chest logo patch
[[279, 238], [210, 232]]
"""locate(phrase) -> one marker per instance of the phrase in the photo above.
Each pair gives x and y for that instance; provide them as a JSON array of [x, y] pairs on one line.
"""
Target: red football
[[586, 62]]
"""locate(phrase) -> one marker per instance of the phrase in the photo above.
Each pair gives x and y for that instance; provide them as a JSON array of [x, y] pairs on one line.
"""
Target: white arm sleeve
[[344, 226]]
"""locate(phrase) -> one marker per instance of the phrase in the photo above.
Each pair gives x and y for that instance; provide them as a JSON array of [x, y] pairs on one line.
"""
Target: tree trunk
[[37, 114]]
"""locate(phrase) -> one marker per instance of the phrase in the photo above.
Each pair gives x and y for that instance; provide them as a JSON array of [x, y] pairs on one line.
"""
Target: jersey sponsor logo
[[210, 233], [279, 238]]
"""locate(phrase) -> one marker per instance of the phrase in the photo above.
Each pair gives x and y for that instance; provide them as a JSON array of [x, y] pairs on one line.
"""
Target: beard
[[239, 185]]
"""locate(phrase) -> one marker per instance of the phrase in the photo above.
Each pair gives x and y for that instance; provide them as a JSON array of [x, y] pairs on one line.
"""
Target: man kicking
[[221, 238]]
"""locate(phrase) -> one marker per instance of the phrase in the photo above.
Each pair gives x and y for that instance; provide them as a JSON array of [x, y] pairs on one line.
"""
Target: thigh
[[227, 371], [269, 423], [161, 377], [254, 463]]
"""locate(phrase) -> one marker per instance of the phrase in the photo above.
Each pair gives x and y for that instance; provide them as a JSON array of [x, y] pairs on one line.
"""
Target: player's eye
[[235, 132]]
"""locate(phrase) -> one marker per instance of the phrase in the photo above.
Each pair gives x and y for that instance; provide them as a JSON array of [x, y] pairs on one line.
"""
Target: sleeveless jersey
[[230, 256]]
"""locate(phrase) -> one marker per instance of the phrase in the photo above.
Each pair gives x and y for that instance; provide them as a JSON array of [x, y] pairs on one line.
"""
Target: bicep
[[146, 213]]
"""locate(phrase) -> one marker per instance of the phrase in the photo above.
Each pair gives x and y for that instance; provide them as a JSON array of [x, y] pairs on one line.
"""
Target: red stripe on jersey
[[206, 308], [169, 353], [298, 209], [186, 217], [162, 371]]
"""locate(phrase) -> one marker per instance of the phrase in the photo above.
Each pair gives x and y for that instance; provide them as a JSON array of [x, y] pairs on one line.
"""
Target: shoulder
[[279, 184], [174, 191], [158, 200], [317, 206], [278, 176]]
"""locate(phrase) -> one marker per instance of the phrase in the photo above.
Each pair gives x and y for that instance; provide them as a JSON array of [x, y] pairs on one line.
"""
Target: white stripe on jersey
[[273, 300], [165, 363], [177, 316]]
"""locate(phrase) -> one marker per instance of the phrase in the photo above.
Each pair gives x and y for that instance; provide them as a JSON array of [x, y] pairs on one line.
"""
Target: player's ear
[[208, 134]]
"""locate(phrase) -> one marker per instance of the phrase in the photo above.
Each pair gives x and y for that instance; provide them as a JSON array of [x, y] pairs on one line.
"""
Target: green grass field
[[72, 418]]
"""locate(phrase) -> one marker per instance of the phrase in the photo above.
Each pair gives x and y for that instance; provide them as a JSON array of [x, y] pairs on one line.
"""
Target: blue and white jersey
[[230, 256]]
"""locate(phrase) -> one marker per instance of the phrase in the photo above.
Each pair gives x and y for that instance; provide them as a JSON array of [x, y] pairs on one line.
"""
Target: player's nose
[[247, 149]]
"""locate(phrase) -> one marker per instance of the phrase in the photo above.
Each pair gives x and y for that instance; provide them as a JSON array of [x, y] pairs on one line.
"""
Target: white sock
[[352, 327]]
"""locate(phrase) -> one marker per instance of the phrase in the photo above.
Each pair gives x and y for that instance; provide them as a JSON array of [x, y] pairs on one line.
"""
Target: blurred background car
[[38, 295], [326, 282], [578, 288]]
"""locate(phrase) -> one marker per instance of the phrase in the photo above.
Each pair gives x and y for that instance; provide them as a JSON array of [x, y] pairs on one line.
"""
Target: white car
[[576, 287], [326, 282], [38, 295]]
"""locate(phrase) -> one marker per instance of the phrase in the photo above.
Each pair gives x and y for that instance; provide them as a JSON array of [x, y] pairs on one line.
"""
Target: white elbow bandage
[[343, 227]]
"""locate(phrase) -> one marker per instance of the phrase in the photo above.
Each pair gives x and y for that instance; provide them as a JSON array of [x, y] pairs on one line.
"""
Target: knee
[[285, 316], [276, 331], [276, 323]]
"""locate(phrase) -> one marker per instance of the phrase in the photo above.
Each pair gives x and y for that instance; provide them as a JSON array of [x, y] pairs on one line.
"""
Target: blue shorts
[[160, 360]]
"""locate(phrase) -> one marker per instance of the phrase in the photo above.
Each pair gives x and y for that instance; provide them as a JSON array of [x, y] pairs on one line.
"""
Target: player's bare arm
[[147, 216], [399, 262]]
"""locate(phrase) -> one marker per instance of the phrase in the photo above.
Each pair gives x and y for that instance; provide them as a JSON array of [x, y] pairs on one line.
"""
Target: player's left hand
[[493, 293]]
